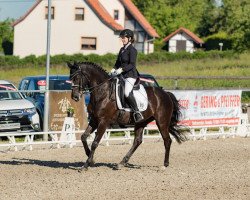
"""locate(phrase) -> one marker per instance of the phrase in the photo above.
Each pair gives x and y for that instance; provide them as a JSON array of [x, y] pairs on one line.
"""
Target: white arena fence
[[13, 143]]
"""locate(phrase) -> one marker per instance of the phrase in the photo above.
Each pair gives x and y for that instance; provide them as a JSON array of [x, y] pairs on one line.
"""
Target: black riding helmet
[[127, 33]]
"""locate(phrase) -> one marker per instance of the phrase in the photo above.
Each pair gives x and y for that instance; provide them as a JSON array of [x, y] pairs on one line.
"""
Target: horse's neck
[[99, 84], [100, 92], [96, 79]]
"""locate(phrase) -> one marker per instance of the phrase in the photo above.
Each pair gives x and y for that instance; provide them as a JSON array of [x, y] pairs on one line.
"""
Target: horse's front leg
[[136, 143], [90, 129], [99, 133]]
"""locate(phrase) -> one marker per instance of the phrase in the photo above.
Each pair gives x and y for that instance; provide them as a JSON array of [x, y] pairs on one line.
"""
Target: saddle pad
[[141, 98]]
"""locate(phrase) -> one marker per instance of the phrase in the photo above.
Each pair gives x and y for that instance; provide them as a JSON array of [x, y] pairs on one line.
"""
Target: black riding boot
[[137, 115]]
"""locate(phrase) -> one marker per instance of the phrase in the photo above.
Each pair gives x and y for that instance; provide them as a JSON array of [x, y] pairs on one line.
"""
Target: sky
[[14, 8]]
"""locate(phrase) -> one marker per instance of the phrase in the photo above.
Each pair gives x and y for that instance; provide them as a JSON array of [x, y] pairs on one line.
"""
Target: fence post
[[176, 84]]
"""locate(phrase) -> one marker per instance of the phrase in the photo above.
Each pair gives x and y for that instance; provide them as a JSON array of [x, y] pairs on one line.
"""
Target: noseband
[[84, 90]]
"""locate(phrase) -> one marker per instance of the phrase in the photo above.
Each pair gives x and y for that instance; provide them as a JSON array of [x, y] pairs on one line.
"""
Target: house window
[[52, 12], [88, 43], [116, 14], [79, 14]]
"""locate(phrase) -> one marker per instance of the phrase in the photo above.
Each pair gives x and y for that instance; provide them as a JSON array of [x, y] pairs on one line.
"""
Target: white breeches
[[129, 84]]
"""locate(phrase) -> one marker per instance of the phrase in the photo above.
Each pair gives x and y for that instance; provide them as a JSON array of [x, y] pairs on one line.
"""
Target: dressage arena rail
[[195, 132], [55, 142]]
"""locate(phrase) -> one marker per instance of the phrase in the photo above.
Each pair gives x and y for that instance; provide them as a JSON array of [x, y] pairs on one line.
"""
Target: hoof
[[118, 166], [166, 164], [83, 168], [163, 168], [92, 164]]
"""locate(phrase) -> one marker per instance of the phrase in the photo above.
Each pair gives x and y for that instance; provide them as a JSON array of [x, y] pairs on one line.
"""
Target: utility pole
[[46, 105]]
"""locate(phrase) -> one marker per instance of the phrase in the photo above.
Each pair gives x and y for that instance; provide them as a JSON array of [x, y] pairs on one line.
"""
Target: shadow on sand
[[56, 164]]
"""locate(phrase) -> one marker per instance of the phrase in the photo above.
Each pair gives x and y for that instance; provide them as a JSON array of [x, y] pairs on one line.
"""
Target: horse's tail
[[174, 128]]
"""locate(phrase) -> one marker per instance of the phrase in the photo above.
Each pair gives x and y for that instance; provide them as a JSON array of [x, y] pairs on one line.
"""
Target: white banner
[[210, 107]]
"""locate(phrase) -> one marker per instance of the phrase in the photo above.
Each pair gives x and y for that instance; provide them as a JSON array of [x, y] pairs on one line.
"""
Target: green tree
[[212, 19], [168, 15], [237, 22], [227, 18], [231, 17], [6, 37]]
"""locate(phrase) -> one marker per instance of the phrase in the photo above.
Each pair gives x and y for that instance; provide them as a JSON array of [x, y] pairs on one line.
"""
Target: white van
[[16, 113]]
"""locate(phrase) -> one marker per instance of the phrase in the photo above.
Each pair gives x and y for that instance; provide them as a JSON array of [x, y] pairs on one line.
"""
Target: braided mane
[[94, 65]]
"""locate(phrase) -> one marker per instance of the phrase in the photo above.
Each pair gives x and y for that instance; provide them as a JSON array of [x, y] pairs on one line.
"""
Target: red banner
[[210, 108]]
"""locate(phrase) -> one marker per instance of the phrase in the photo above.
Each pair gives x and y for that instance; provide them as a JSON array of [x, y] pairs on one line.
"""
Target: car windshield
[[55, 85], [8, 95], [60, 85]]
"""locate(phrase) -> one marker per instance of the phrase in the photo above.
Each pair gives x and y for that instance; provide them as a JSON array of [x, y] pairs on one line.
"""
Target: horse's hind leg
[[136, 143], [164, 130]]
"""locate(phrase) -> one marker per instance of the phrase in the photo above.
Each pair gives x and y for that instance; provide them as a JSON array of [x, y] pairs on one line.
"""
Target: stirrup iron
[[137, 119]]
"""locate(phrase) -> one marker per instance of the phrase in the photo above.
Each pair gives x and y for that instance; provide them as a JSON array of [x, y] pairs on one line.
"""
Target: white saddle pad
[[141, 98]]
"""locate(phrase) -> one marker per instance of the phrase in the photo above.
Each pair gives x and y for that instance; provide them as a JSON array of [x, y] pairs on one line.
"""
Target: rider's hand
[[118, 71]]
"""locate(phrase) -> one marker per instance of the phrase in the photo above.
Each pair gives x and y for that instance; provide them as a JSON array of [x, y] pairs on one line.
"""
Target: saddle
[[138, 91]]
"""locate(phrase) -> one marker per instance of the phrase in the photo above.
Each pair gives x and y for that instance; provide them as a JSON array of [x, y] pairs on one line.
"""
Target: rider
[[126, 65]]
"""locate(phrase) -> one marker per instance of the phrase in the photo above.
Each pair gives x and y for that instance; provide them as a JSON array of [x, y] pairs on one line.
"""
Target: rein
[[90, 89]]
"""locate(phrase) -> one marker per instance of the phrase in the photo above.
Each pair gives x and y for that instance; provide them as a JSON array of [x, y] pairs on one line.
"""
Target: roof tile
[[104, 15]]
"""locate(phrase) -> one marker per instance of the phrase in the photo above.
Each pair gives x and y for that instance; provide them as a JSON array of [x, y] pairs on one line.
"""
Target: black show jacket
[[127, 61]]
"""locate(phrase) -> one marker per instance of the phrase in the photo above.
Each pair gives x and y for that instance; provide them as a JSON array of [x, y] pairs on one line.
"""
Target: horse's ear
[[70, 65]]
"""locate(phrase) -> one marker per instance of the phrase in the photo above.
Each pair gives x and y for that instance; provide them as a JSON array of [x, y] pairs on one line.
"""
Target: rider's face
[[124, 40]]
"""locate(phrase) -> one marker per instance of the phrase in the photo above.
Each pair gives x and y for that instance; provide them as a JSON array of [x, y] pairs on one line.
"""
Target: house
[[183, 40], [81, 26]]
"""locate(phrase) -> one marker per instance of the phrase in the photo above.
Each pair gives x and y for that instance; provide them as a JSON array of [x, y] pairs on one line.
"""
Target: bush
[[161, 57], [212, 41], [30, 59], [108, 60]]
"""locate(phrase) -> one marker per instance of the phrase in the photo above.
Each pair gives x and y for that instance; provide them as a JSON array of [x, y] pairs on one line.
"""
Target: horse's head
[[78, 80]]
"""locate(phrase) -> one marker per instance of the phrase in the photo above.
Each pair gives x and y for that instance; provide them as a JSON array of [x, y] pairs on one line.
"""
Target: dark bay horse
[[163, 107]]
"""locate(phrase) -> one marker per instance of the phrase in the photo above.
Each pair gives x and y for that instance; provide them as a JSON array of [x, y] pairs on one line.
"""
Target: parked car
[[57, 82], [16, 113]]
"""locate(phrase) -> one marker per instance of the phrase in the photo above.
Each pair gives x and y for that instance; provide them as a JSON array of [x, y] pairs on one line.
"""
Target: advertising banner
[[210, 107]]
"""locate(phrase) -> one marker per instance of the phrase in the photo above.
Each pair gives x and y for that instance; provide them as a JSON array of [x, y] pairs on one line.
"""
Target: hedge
[[108, 60], [212, 41]]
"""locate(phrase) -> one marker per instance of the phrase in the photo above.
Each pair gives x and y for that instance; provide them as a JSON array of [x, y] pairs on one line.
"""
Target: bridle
[[84, 90]]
